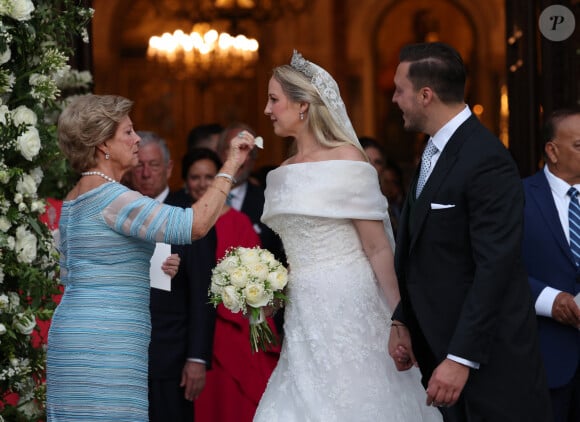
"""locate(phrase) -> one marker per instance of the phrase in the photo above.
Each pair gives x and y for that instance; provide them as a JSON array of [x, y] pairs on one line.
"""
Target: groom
[[465, 313]]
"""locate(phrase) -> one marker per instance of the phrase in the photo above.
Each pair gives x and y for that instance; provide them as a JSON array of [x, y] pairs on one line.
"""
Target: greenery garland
[[36, 39]]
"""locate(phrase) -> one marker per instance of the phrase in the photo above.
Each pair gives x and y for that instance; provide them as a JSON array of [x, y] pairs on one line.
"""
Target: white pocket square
[[435, 206]]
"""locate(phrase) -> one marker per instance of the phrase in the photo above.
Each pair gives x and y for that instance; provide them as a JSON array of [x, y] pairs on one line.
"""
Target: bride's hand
[[400, 347]]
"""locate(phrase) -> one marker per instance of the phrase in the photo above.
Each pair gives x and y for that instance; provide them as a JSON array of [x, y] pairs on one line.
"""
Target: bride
[[325, 203]]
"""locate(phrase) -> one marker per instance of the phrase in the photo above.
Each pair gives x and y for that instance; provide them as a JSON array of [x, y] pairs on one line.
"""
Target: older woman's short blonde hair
[[87, 122]]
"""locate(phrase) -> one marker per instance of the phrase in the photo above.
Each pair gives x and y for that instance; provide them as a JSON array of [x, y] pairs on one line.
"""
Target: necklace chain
[[98, 173]]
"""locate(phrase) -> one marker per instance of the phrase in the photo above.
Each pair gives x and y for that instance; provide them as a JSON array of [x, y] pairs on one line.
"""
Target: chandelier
[[206, 52]]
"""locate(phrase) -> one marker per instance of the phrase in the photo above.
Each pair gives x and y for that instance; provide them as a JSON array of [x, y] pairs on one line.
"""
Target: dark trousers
[[566, 400], [167, 402]]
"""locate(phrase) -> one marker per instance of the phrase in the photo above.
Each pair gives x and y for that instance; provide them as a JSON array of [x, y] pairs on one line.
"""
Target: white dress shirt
[[442, 136], [237, 196]]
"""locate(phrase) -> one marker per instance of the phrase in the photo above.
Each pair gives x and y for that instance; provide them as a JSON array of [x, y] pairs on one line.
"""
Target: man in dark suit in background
[[466, 312], [182, 320], [553, 269]]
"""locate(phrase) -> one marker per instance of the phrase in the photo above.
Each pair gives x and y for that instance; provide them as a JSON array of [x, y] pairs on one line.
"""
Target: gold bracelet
[[216, 188]]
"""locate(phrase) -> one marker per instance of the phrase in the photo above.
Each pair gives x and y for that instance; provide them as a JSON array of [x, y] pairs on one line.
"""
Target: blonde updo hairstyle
[[86, 123], [298, 88]]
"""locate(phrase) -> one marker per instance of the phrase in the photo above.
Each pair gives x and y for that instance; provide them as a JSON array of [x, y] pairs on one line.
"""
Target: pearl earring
[[301, 115], [107, 156]]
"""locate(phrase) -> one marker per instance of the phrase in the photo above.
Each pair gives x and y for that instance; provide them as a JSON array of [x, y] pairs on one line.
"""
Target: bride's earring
[[107, 156], [301, 115]]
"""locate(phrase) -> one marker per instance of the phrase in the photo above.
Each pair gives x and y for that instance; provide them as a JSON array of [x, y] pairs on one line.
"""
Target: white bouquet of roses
[[247, 280]]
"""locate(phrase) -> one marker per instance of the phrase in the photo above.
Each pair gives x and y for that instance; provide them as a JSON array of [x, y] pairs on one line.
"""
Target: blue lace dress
[[99, 336]]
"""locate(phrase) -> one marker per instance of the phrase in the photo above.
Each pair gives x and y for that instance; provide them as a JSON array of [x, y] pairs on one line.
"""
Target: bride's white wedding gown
[[334, 364]]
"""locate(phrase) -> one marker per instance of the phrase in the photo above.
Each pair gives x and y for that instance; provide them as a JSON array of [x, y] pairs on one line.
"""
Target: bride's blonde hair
[[298, 88]]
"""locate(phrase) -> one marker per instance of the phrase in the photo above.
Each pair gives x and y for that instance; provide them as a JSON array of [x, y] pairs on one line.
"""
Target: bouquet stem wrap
[[261, 336]]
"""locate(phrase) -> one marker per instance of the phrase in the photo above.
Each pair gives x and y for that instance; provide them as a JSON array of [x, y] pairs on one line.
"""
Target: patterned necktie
[[430, 151], [229, 199], [574, 224]]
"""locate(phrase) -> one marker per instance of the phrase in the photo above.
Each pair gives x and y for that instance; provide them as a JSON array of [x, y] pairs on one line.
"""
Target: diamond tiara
[[301, 64]]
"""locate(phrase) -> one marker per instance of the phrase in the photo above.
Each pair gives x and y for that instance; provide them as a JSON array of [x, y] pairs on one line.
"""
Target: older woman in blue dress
[[98, 340]]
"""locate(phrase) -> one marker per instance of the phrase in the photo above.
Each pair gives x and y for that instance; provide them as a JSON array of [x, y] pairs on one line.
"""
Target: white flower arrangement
[[35, 46], [247, 280]]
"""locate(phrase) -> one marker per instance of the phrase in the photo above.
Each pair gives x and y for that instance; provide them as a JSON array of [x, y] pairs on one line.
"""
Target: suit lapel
[[541, 194], [446, 161]]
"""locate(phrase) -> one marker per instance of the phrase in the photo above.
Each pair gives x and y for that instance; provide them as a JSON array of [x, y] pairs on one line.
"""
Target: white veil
[[329, 92]]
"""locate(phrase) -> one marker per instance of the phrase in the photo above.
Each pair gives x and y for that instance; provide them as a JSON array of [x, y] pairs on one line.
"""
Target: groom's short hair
[[438, 66]]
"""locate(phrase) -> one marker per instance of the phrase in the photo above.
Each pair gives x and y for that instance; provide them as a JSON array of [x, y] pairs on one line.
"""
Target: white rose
[[26, 185], [4, 301], [24, 323], [259, 271], [10, 242], [4, 224], [239, 277], [29, 143], [256, 295], [231, 299], [216, 289], [25, 245], [268, 257], [2, 329], [5, 56], [13, 300], [37, 174], [21, 10], [219, 279], [37, 206], [22, 115], [229, 263], [22, 207], [278, 279], [249, 256]]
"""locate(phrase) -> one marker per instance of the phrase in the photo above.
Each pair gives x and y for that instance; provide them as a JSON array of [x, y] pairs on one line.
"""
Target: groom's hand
[[446, 383], [400, 348]]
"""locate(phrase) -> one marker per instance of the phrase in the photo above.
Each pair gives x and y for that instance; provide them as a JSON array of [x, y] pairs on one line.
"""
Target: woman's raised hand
[[240, 147]]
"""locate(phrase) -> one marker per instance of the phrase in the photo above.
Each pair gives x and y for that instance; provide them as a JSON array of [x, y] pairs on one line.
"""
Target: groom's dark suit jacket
[[463, 288], [549, 262]]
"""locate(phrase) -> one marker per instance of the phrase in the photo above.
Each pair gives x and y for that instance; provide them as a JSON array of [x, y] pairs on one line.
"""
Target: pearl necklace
[[98, 173]]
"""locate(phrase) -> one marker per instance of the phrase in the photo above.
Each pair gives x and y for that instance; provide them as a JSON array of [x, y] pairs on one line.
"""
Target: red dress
[[238, 377]]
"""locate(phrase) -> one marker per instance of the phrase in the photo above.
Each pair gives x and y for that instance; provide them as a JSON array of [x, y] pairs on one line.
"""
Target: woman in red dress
[[237, 377]]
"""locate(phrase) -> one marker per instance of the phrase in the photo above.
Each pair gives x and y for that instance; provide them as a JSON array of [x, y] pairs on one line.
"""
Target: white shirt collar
[[161, 197], [558, 186], [441, 137]]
